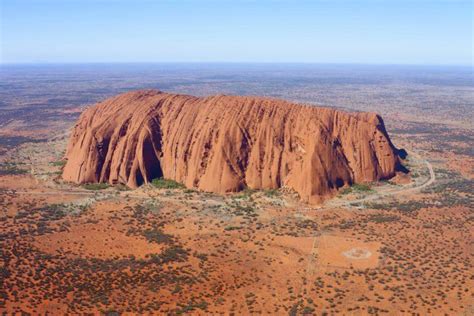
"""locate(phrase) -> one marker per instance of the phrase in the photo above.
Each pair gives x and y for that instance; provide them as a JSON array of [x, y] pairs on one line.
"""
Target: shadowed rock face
[[226, 143]]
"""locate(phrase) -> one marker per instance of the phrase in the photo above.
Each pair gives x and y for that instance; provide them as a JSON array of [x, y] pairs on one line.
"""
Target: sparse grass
[[10, 168], [191, 306], [361, 187], [245, 194], [58, 163], [356, 188], [53, 211], [448, 193], [162, 183], [383, 218], [272, 193], [95, 186], [244, 209], [121, 187], [346, 191]]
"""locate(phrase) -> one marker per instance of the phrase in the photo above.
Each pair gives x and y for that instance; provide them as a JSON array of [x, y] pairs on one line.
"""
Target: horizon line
[[471, 65]]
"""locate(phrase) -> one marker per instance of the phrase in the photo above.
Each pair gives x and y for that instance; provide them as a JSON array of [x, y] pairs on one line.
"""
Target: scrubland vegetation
[[165, 249]]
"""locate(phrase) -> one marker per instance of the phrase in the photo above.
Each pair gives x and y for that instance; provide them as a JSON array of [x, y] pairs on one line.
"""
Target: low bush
[[95, 186], [58, 163], [232, 228], [383, 218], [157, 236], [361, 187], [272, 193], [162, 183], [9, 168]]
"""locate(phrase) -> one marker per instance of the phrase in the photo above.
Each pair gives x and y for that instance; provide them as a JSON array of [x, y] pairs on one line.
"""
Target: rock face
[[227, 143]]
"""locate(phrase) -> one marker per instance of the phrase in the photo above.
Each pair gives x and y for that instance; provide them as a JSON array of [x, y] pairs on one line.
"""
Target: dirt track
[[393, 192]]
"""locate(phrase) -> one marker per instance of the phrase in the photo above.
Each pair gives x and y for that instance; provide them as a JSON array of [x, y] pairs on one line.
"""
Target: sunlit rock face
[[228, 143]]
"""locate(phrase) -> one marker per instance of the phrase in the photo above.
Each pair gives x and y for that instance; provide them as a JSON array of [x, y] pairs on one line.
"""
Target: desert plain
[[400, 246]]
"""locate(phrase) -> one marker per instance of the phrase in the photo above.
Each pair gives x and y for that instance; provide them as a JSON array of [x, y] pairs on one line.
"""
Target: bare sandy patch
[[344, 252]]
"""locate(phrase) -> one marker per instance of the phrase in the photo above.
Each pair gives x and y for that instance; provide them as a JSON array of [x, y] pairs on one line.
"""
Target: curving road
[[313, 252], [400, 191], [330, 203]]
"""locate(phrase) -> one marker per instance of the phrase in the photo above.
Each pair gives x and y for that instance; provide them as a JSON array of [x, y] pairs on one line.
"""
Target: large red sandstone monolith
[[227, 143]]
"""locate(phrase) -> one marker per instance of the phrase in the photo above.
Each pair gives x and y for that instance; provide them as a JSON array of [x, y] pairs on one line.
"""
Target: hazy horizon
[[236, 63], [375, 32]]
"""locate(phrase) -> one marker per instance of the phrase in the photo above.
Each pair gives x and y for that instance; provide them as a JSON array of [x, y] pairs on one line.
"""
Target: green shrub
[[272, 193], [58, 163], [361, 187], [162, 183], [201, 256], [346, 190], [191, 306], [172, 254], [383, 218], [10, 168], [232, 228], [157, 236], [121, 187], [308, 310], [355, 188], [95, 186], [53, 211], [244, 194]]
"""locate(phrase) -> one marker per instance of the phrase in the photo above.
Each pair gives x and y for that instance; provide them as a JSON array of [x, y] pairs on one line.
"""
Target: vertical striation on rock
[[227, 143]]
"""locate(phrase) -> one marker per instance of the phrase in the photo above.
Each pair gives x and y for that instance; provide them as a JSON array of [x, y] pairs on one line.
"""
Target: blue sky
[[320, 31]]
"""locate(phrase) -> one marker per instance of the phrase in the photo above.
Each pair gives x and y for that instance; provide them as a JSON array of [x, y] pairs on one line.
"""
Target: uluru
[[228, 143]]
